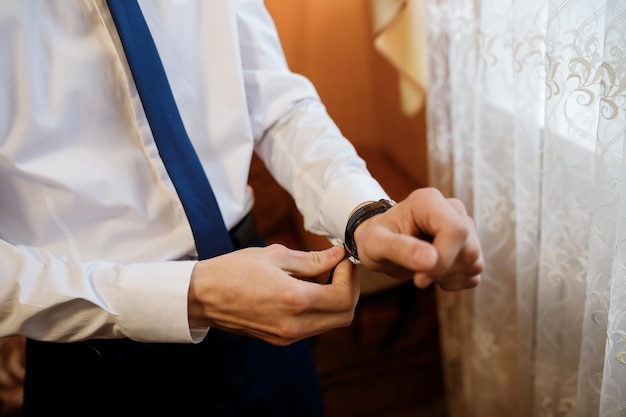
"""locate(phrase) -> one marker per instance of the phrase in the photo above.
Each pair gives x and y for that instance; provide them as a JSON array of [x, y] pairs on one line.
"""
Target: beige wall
[[330, 42]]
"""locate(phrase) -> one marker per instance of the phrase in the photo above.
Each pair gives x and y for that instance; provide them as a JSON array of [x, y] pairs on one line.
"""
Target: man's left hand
[[426, 237]]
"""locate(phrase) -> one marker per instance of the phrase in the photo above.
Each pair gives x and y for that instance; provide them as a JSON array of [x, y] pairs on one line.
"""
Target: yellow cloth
[[399, 36]]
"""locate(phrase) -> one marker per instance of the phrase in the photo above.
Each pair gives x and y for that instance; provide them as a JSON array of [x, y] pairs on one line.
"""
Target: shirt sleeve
[[298, 141], [49, 298]]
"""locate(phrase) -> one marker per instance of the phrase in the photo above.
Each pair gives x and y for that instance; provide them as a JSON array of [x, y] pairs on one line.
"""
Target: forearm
[[299, 142], [320, 168]]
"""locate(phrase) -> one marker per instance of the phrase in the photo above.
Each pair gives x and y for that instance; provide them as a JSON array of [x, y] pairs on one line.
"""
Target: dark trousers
[[225, 375]]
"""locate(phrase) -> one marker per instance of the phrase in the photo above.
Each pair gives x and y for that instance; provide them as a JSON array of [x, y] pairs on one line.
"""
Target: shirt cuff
[[152, 302], [342, 197]]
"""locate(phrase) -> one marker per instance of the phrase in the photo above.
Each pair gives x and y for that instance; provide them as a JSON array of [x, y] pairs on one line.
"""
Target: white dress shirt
[[91, 227]]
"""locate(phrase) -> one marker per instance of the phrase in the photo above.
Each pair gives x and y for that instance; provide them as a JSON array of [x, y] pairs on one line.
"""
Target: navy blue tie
[[177, 152]]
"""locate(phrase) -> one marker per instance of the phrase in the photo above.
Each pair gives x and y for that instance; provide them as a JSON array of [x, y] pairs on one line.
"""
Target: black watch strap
[[359, 216]]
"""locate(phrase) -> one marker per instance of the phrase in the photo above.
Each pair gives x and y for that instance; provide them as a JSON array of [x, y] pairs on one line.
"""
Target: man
[[99, 265]]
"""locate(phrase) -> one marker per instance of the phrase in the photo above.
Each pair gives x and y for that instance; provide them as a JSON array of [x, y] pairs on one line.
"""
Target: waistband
[[245, 233]]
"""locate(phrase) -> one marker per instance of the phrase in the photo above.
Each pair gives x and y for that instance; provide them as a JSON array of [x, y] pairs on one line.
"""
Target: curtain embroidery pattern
[[527, 125]]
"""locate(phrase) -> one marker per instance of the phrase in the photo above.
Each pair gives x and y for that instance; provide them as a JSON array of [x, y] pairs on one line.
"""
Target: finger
[[329, 279], [329, 306], [458, 206], [343, 294], [307, 263], [468, 261], [471, 251], [309, 326], [308, 311], [422, 280], [451, 231], [272, 335], [339, 297], [407, 251]]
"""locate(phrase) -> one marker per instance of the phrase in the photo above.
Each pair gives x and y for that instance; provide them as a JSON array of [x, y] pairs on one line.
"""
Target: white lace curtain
[[527, 125]]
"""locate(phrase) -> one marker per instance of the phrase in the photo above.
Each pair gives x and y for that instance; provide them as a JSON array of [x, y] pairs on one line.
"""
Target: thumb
[[313, 263]]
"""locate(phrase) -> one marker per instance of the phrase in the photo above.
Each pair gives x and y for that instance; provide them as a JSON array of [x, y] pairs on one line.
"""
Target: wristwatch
[[359, 216]]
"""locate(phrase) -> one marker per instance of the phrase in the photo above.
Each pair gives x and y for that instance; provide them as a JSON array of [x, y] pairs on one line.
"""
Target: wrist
[[362, 214], [196, 313]]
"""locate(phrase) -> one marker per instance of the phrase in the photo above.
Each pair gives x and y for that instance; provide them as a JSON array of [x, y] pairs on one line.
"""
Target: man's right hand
[[268, 293]]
